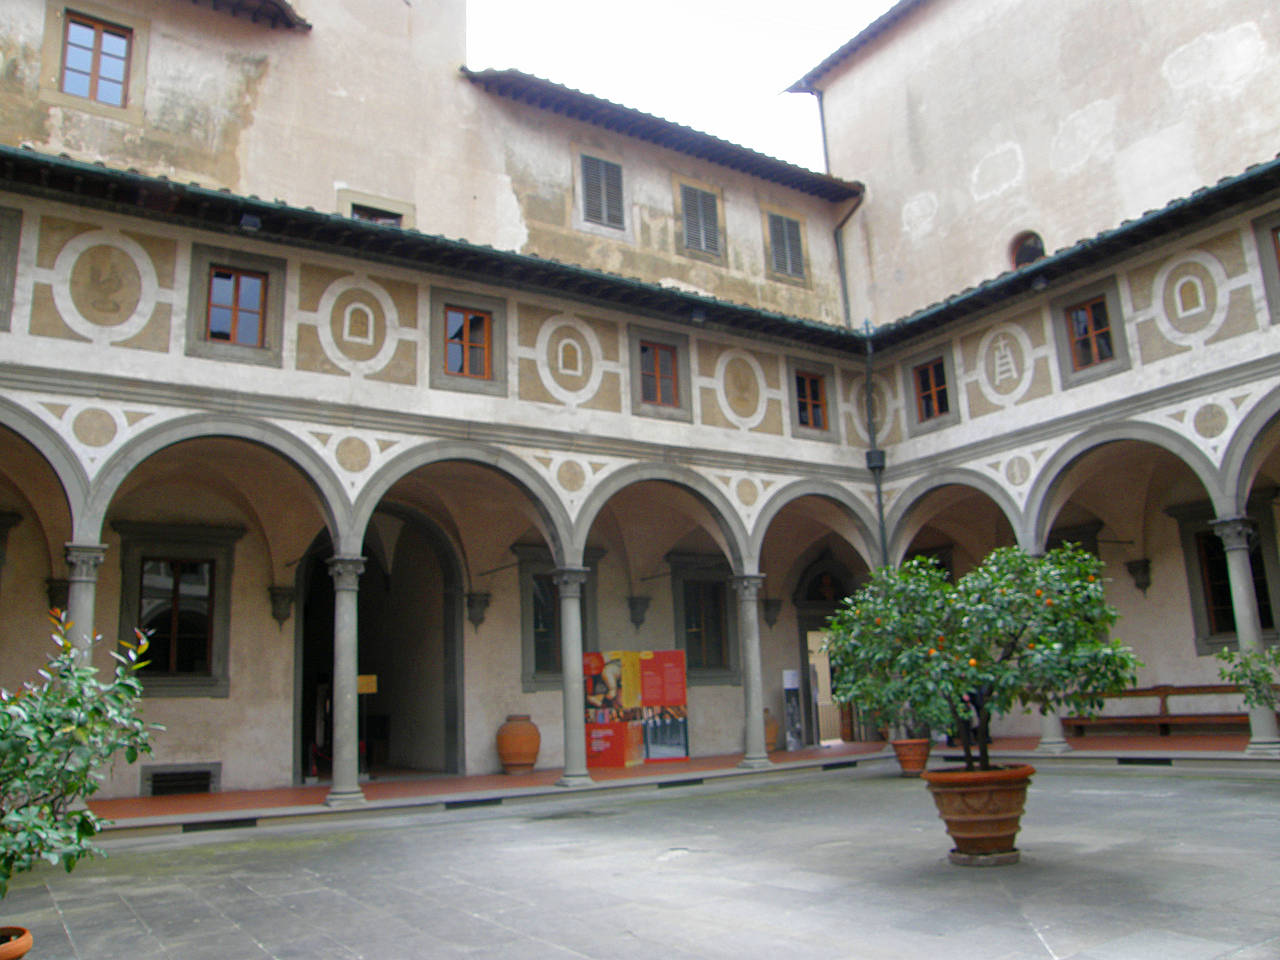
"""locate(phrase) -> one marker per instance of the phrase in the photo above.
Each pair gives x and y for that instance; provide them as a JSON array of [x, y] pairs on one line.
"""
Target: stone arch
[[741, 556], [1242, 459], [203, 426], [60, 457], [911, 498], [555, 519], [1055, 469], [857, 511]]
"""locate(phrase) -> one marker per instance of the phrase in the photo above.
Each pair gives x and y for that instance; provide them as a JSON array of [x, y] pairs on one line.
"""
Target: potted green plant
[[1254, 672], [1017, 631], [902, 606], [54, 735]]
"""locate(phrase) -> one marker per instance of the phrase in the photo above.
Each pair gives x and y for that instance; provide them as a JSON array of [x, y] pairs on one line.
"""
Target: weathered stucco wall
[[971, 122]]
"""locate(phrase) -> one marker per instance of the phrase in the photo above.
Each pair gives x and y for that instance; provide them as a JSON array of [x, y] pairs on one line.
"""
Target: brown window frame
[[702, 599], [99, 27], [933, 392], [237, 310], [652, 372], [1095, 334], [810, 411], [466, 345], [176, 565], [1216, 586]]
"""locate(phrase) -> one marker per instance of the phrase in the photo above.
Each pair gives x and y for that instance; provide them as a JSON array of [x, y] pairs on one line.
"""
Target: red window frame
[[659, 380], [239, 311], [811, 400], [931, 390], [1089, 333], [465, 353], [94, 74]]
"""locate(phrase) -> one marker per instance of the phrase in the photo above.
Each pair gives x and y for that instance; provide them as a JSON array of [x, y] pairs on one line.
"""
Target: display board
[[636, 707]]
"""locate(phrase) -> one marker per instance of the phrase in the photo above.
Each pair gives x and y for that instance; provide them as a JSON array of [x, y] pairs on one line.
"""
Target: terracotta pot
[[770, 730], [518, 743], [982, 810], [14, 942], [913, 755]]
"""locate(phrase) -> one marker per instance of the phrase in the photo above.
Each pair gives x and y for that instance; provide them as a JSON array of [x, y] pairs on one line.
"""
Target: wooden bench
[[1164, 719]]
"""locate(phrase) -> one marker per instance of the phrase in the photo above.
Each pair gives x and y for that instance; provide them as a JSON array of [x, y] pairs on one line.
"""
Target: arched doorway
[[819, 590], [410, 631]]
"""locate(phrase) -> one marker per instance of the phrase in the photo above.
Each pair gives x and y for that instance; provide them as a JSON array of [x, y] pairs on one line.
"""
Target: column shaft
[[569, 582], [345, 790], [748, 591], [1264, 738], [83, 561]]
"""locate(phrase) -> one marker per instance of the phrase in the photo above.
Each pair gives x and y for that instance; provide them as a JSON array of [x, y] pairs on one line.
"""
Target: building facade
[[320, 435]]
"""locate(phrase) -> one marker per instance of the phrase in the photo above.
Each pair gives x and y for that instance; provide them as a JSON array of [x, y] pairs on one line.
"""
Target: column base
[[571, 780], [1053, 747], [345, 798], [1263, 748], [755, 763]]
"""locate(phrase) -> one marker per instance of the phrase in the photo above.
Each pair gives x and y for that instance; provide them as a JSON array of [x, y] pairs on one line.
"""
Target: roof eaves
[[878, 26], [63, 179], [557, 98], [1218, 199], [274, 13]]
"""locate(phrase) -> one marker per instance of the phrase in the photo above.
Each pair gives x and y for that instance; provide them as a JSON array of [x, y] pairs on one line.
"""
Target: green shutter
[[602, 192]]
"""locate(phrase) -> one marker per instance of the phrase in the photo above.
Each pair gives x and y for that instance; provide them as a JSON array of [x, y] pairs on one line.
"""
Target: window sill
[[713, 678], [165, 686]]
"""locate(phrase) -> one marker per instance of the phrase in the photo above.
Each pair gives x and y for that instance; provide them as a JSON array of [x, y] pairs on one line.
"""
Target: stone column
[[1234, 532], [1052, 739], [569, 581], [748, 590], [345, 790], [83, 561]]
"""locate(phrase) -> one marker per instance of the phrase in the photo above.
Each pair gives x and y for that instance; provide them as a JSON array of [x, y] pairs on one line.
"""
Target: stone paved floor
[[1128, 864]]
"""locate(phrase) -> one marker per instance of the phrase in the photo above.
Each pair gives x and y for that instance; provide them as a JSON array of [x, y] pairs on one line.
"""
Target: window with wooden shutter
[[602, 192], [785, 246], [701, 223]]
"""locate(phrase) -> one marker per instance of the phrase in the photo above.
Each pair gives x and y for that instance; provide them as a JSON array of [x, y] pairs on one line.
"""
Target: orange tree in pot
[[54, 736], [1016, 632]]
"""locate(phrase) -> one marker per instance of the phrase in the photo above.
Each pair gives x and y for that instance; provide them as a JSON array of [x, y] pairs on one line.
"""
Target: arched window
[[1189, 295], [1027, 247]]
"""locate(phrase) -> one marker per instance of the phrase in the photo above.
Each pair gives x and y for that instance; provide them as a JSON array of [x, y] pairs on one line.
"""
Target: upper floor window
[[467, 342], [931, 390], [700, 209], [1089, 333], [360, 211], [1026, 248], [811, 401], [95, 60], [237, 305], [602, 192], [785, 246], [659, 378]]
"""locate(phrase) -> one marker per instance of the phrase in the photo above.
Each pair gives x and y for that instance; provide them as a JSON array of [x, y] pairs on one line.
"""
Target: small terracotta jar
[[518, 743]]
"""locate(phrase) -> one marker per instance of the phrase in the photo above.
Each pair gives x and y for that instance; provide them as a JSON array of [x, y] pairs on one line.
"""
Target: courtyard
[[1123, 863]]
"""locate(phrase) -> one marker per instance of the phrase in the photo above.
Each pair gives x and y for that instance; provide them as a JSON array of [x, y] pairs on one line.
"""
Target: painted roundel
[[105, 285]]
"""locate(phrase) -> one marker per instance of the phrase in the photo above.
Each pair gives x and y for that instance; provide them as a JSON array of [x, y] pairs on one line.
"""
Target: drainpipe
[[875, 456]]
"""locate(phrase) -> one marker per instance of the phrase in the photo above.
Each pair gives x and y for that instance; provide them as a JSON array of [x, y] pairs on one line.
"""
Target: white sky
[[719, 66]]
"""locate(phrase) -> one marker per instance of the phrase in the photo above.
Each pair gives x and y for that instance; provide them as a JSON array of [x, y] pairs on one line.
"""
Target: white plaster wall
[[973, 121]]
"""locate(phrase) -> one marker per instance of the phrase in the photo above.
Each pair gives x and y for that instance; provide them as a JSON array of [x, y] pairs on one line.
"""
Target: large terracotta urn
[[518, 742], [14, 942], [982, 810]]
